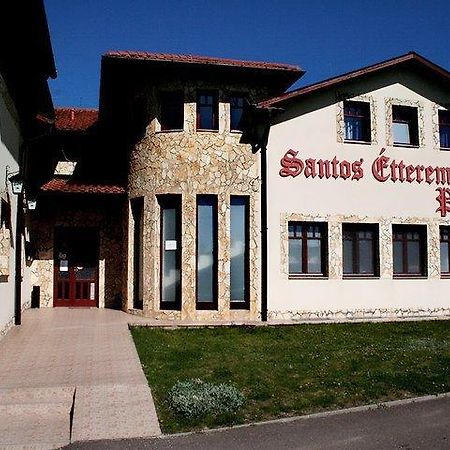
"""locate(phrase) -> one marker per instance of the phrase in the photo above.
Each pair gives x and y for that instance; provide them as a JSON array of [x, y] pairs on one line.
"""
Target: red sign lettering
[[383, 169], [443, 199], [292, 166]]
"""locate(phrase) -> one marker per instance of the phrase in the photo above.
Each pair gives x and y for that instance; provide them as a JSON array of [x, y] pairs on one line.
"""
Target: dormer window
[[444, 129], [405, 129], [172, 110], [237, 103], [357, 121], [207, 110]]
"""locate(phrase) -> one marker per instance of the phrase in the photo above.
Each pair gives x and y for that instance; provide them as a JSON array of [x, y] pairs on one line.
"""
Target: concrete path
[[422, 425], [70, 375]]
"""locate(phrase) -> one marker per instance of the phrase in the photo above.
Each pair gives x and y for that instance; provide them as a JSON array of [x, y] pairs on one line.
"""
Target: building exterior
[[156, 210], [158, 203], [359, 198], [25, 66]]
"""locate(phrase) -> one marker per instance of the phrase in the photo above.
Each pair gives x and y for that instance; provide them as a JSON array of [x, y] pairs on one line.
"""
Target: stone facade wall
[[62, 212], [5, 249], [191, 162]]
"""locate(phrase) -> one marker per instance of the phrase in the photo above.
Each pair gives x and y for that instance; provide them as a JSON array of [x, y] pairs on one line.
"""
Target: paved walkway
[[423, 425], [70, 375]]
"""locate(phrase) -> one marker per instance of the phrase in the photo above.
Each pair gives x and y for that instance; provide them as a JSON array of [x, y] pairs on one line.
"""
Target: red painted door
[[76, 267]]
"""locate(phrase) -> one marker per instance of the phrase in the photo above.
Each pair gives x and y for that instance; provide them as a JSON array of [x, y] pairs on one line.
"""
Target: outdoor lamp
[[16, 183], [31, 203]]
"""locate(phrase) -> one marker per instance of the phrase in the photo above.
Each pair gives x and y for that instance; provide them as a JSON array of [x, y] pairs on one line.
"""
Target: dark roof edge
[[410, 56], [200, 60], [51, 65]]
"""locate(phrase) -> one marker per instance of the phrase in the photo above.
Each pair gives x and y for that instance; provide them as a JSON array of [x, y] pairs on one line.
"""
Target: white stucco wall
[[10, 140], [311, 127]]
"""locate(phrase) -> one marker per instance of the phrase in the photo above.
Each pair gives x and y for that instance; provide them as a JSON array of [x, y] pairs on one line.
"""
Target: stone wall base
[[360, 314], [199, 316]]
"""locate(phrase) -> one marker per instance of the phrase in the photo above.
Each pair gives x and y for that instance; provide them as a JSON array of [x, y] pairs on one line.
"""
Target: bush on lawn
[[196, 398]]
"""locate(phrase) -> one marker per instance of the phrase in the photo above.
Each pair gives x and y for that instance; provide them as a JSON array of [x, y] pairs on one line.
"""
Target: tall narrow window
[[357, 121], [307, 249], [405, 129], [170, 251], [360, 249], [206, 252], [207, 111], [137, 210], [444, 129], [172, 110], [410, 250], [445, 250], [239, 240], [237, 103]]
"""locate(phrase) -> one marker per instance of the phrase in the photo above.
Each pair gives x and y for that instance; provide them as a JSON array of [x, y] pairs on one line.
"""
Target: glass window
[[444, 129], [307, 248], [360, 249], [206, 251], [207, 111], [357, 121], [170, 251], [236, 110], [137, 210], [239, 240], [172, 110], [405, 129], [445, 250], [409, 250]]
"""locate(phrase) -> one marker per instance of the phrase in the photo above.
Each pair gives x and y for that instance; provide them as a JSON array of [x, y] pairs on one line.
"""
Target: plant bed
[[290, 370]]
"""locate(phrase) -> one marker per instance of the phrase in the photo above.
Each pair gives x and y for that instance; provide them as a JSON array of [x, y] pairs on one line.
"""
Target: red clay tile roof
[[75, 119], [63, 185], [410, 57], [202, 60]]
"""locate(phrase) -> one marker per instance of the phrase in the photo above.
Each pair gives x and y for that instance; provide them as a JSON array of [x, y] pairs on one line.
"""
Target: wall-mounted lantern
[[31, 203], [16, 181]]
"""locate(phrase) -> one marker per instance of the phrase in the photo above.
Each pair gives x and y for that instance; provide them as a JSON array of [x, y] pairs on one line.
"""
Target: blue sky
[[325, 38]]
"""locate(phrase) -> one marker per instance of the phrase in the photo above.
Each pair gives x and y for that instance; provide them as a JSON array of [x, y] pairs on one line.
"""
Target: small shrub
[[196, 398]]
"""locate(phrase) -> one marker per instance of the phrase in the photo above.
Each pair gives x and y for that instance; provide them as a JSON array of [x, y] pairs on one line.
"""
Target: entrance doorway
[[76, 267]]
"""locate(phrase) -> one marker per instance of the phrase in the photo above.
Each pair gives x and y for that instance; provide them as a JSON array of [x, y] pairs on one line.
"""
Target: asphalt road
[[422, 425]]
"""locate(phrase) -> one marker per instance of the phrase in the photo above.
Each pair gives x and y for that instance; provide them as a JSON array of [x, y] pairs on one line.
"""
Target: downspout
[[256, 133], [18, 262], [18, 243], [263, 151]]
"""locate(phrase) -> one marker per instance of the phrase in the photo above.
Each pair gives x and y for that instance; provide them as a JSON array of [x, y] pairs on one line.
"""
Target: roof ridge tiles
[[65, 185], [75, 108], [75, 119], [199, 59]]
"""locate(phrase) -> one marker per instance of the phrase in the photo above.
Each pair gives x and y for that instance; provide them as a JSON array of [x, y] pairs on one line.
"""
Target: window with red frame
[[445, 250], [405, 128], [410, 250], [237, 103], [307, 248], [357, 121], [207, 111], [444, 129], [360, 249]]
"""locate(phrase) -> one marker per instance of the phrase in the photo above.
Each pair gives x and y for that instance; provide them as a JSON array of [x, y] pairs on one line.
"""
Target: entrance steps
[[35, 418]]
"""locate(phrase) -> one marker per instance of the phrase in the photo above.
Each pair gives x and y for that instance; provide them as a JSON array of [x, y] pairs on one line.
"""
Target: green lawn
[[290, 370]]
